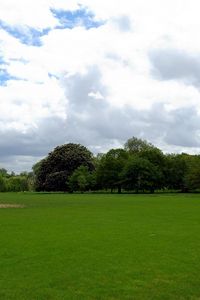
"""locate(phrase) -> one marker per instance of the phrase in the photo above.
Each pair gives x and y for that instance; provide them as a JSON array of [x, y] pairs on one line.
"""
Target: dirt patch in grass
[[6, 205]]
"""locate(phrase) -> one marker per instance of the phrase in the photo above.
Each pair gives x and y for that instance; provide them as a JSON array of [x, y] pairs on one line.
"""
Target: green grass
[[100, 247]]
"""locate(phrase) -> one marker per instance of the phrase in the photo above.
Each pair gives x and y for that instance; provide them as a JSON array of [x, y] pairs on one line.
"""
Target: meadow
[[86, 246]]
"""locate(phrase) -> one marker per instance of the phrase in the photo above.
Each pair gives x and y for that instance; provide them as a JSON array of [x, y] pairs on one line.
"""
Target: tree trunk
[[119, 189], [152, 191]]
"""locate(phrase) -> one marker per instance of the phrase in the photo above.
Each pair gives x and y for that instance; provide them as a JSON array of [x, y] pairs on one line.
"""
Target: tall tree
[[110, 168], [3, 185], [3, 172], [17, 183], [156, 157], [175, 172], [80, 180], [192, 177], [60, 164], [136, 145], [140, 174]]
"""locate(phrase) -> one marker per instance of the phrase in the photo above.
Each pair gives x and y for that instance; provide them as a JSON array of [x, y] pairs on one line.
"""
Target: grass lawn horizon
[[87, 246]]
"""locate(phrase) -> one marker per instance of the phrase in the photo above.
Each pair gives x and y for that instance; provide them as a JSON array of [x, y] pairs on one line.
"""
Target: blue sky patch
[[2, 61], [79, 17], [5, 76], [26, 35]]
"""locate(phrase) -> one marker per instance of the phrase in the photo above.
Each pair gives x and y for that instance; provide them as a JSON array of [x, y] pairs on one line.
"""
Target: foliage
[[3, 172], [17, 184], [175, 172], [3, 186], [56, 181], [110, 168], [80, 180], [140, 174], [54, 171], [156, 157], [139, 167], [135, 145], [192, 177]]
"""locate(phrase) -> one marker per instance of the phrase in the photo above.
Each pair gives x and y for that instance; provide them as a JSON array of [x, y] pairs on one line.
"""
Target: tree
[[192, 177], [3, 186], [139, 174], [110, 168], [36, 167], [60, 164], [40, 171], [3, 172], [80, 180], [175, 172], [135, 145], [30, 179], [17, 184], [56, 181], [157, 158]]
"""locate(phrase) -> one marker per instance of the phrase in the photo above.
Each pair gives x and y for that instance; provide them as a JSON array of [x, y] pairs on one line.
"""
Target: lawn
[[62, 246]]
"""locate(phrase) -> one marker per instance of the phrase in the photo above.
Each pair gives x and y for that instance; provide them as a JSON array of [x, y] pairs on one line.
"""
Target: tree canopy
[[53, 171], [138, 167]]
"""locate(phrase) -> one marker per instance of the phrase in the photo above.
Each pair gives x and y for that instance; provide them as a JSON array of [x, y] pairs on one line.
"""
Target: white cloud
[[120, 51], [27, 13]]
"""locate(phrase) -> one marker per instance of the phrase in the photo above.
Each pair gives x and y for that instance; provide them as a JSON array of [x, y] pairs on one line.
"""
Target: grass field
[[63, 246]]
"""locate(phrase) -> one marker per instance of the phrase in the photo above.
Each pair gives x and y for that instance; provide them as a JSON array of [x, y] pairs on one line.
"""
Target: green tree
[[30, 179], [17, 184], [3, 172], [80, 180], [139, 174], [175, 172], [3, 186], [56, 181], [110, 168], [136, 145], [60, 164], [40, 171], [192, 177], [156, 157]]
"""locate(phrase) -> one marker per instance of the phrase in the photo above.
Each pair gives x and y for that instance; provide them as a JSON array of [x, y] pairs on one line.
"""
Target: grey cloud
[[118, 59], [173, 64], [184, 128], [19, 151], [179, 127], [18, 163], [35, 141], [95, 123], [93, 119]]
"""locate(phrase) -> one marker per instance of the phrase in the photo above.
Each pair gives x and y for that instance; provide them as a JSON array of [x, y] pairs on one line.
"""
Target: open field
[[59, 246]]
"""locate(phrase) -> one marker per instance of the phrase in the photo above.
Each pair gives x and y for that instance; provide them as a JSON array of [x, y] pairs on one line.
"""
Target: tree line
[[138, 167], [10, 182]]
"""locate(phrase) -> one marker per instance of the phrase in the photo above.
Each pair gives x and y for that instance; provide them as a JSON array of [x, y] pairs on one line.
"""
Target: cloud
[[97, 73], [96, 121], [123, 22], [175, 64], [35, 141], [27, 13], [21, 149]]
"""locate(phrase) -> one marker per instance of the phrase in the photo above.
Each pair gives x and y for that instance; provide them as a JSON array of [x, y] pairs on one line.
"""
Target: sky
[[97, 72]]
